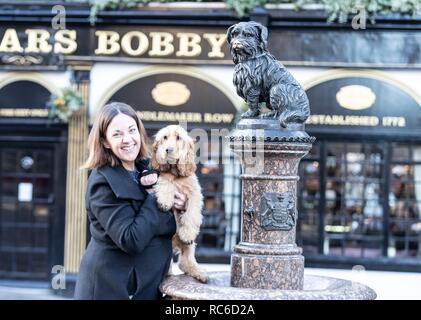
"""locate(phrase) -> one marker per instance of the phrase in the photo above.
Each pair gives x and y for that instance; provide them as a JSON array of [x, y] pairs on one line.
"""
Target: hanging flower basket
[[65, 104]]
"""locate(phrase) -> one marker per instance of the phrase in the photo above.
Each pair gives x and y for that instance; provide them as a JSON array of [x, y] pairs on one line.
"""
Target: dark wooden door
[[26, 210]]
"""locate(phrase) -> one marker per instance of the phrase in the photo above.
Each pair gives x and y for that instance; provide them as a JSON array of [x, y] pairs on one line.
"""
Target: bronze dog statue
[[259, 77]]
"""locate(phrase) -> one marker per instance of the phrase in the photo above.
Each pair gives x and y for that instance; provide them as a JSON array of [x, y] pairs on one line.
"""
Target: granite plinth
[[267, 264], [182, 287], [267, 271], [267, 256]]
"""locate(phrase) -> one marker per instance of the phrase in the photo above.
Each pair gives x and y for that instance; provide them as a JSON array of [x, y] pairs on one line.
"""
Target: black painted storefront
[[299, 39], [360, 188], [32, 183]]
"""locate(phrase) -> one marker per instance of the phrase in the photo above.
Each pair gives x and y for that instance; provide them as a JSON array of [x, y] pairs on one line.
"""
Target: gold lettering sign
[[161, 44], [65, 41], [186, 117], [189, 45], [38, 41], [216, 42], [10, 42], [368, 121], [340, 120], [170, 93], [23, 112], [126, 43], [108, 42], [394, 122], [218, 117], [355, 97], [170, 116]]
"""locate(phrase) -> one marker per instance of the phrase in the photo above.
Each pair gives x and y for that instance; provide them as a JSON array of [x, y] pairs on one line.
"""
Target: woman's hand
[[149, 180], [180, 200]]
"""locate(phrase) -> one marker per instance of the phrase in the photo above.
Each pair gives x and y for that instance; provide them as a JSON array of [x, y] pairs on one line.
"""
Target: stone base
[[267, 271], [183, 287]]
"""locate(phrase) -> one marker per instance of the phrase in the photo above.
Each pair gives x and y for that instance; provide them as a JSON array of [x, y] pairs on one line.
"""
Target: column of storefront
[[75, 228]]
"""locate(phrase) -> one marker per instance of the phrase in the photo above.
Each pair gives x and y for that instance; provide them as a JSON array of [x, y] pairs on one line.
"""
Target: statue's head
[[247, 40]]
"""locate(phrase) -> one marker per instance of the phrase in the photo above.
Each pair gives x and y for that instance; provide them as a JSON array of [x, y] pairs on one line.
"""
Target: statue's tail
[[297, 113]]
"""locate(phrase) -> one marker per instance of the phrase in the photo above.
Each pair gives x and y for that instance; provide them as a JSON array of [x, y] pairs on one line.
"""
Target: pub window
[[346, 189], [353, 214], [219, 179], [309, 200], [405, 201]]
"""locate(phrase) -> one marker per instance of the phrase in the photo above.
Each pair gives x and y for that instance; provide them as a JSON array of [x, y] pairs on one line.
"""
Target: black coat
[[130, 249]]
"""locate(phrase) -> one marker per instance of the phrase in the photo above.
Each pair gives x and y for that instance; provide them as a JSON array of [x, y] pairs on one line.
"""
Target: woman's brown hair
[[98, 154]]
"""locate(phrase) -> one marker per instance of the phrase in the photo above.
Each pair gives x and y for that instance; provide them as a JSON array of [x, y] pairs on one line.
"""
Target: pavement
[[26, 290], [388, 285]]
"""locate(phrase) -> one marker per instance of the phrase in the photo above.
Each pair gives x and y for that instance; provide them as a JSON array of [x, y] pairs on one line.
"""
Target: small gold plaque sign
[[170, 93], [355, 97]]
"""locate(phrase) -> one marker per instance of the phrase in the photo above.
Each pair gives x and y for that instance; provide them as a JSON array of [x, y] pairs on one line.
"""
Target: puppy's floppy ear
[[263, 34], [186, 166], [229, 33], [154, 161]]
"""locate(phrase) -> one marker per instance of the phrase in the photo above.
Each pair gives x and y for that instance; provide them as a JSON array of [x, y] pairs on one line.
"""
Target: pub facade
[[360, 188]]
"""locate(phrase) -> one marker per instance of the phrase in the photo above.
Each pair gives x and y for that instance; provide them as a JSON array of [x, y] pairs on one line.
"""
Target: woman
[[130, 249]]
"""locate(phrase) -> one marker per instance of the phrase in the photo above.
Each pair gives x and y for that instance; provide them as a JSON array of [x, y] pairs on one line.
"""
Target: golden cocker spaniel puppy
[[173, 156]]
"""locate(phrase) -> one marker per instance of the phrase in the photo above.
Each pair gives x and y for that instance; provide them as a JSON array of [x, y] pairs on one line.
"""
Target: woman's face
[[123, 138]]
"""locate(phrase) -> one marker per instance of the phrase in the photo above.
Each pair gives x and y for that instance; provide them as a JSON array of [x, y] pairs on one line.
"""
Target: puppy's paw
[[192, 269], [201, 275]]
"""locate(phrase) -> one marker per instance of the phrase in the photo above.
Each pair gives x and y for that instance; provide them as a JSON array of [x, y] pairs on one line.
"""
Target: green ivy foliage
[[62, 105], [98, 5], [338, 9], [341, 9]]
